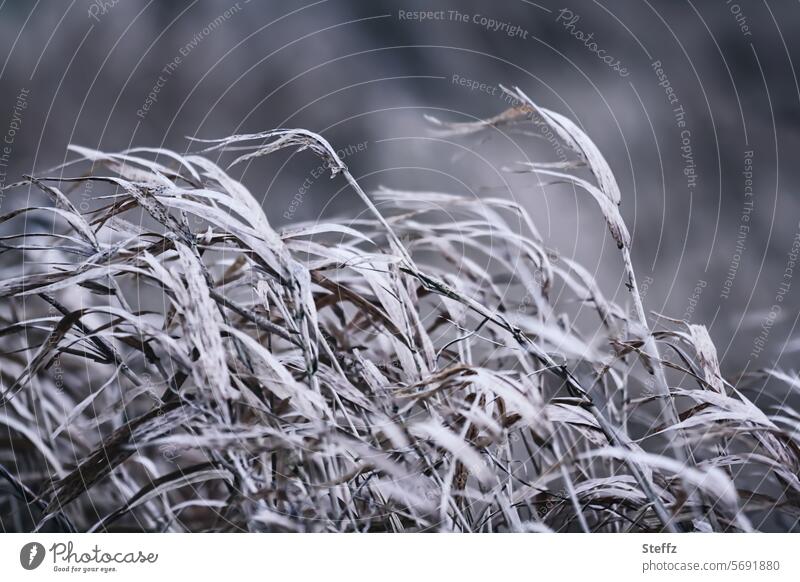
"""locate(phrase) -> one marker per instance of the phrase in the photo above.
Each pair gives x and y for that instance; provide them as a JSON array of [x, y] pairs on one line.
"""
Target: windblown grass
[[170, 362]]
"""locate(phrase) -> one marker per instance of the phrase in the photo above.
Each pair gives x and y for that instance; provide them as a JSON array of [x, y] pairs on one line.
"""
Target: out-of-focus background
[[695, 104]]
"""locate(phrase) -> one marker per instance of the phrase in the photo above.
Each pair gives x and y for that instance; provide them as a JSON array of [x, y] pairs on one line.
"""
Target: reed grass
[[171, 362]]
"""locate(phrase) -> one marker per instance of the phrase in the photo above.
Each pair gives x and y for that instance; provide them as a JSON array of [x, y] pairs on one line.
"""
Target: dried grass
[[201, 371]]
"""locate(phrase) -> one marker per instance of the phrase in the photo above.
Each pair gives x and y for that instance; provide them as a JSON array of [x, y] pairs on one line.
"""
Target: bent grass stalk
[[381, 374]]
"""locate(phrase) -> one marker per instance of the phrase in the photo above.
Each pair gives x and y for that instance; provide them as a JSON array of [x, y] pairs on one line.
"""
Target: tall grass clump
[[171, 362]]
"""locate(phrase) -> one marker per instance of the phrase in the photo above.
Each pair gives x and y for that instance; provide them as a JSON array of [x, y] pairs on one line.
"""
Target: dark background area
[[359, 73]]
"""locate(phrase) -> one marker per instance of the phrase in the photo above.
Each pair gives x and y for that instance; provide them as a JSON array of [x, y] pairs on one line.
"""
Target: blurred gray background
[[124, 73]]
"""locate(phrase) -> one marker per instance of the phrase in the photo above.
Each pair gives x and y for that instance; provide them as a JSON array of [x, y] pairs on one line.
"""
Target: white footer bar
[[407, 557]]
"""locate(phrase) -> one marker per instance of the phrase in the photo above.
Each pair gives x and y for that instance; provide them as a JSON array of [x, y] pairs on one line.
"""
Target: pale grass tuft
[[172, 362]]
